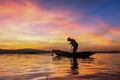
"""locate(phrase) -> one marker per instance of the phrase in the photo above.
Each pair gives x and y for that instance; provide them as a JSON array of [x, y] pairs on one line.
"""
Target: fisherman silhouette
[[73, 44]]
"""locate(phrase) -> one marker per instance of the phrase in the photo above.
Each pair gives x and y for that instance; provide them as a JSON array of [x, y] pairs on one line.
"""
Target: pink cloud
[[31, 23]]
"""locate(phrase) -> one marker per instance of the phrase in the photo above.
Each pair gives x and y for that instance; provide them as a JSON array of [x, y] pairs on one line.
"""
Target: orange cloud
[[31, 26]]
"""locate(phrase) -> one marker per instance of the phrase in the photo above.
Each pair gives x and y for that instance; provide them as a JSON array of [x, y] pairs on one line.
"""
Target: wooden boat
[[83, 54]]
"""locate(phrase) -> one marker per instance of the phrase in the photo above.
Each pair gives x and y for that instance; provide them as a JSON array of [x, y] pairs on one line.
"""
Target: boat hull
[[84, 54]]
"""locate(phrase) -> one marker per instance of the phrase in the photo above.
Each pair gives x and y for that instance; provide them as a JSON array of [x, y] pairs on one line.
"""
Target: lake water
[[101, 66]]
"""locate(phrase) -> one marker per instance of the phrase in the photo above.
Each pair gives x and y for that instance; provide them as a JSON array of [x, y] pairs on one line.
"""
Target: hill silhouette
[[25, 50]]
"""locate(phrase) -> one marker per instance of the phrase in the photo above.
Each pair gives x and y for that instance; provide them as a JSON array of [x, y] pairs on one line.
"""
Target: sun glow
[[33, 26]]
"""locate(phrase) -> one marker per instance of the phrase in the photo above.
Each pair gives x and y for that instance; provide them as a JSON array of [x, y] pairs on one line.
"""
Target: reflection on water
[[44, 66], [74, 66], [24, 65]]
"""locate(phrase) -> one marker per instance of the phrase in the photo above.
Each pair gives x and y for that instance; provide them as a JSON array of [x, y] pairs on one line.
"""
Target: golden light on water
[[38, 66]]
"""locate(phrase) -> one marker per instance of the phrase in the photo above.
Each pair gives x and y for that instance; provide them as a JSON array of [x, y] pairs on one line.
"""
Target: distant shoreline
[[25, 51], [45, 51]]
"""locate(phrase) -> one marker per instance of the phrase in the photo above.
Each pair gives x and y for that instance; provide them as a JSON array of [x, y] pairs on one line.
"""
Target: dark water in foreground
[[102, 66]]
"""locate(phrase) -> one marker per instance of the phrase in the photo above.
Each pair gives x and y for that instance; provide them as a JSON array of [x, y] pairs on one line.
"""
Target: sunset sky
[[46, 24]]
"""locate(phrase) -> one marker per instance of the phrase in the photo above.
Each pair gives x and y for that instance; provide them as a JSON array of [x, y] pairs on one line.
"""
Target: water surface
[[101, 66]]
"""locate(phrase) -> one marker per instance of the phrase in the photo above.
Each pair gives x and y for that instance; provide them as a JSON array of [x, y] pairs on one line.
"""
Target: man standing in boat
[[73, 44]]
